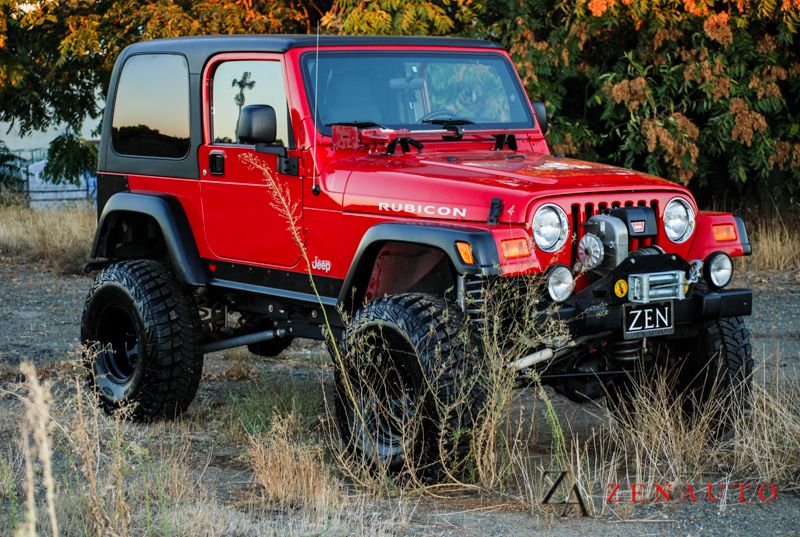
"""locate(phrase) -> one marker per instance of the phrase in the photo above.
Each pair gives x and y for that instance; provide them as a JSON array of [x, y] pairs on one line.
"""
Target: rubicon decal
[[424, 210]]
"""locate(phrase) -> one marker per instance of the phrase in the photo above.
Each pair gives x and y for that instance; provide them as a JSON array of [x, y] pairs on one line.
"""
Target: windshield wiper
[[453, 125], [358, 124], [449, 121]]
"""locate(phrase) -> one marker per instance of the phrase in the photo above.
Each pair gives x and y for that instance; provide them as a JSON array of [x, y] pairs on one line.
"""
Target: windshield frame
[[307, 76]]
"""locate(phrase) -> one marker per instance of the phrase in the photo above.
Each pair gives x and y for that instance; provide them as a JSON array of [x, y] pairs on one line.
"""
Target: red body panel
[[232, 216]]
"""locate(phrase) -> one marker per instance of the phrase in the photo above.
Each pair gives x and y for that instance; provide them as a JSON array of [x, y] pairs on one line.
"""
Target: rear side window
[[239, 83], [151, 109]]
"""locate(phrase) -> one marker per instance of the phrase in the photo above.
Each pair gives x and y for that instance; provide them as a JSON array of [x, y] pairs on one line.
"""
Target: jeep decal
[[323, 265]]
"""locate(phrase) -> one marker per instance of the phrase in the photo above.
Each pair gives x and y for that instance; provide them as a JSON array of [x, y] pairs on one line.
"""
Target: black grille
[[581, 212]]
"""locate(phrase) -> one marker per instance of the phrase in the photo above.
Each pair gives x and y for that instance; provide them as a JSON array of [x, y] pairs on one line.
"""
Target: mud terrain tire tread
[[729, 354], [173, 356], [717, 362], [435, 328]]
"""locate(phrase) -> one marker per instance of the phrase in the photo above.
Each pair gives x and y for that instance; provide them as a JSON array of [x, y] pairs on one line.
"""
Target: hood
[[462, 186]]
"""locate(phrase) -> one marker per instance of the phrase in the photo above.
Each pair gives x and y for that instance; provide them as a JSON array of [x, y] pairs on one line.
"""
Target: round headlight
[[550, 228], [678, 220], [560, 283], [718, 269]]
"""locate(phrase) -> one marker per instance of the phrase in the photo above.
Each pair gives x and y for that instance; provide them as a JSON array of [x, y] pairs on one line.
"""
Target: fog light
[[718, 269], [560, 283]]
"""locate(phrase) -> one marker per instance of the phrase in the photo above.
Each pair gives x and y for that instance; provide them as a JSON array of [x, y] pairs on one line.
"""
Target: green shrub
[[700, 92]]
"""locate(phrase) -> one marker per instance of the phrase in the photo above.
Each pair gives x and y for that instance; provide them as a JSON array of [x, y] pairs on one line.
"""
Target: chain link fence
[[25, 171]]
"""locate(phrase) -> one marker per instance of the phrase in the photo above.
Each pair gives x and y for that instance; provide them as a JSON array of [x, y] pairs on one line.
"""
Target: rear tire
[[410, 393], [144, 330]]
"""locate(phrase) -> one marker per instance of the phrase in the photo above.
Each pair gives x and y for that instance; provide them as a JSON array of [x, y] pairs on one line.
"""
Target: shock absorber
[[627, 350]]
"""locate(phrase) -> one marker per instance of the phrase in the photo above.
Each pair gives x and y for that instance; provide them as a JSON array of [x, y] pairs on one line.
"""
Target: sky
[[41, 139]]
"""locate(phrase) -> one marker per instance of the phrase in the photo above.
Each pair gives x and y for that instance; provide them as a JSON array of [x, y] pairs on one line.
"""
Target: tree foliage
[[69, 158], [700, 91], [397, 17], [56, 56], [9, 168]]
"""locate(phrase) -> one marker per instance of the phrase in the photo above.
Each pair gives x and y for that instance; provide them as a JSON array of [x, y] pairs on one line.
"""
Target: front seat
[[349, 98]]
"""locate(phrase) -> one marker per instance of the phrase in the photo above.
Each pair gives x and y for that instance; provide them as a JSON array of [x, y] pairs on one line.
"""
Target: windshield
[[415, 90]]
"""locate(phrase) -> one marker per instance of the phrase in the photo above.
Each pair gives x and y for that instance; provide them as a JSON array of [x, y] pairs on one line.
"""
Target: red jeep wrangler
[[420, 175]]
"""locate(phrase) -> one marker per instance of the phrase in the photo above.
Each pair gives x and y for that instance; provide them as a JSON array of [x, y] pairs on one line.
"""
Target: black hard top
[[198, 49]]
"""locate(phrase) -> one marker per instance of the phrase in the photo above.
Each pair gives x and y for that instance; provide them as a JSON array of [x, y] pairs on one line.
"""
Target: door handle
[[216, 163]]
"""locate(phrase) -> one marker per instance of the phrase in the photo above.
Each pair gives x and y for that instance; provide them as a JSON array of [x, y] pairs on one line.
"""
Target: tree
[[56, 57], [244, 83], [9, 168], [390, 17], [705, 92]]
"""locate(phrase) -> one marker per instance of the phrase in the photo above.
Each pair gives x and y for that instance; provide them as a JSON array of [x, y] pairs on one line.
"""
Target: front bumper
[[587, 317], [597, 309]]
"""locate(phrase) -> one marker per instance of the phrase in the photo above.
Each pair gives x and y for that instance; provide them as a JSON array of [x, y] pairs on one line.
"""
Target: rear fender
[[167, 212]]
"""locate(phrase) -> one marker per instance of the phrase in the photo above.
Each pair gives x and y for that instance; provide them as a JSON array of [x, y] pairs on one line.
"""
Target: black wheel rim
[[119, 350]]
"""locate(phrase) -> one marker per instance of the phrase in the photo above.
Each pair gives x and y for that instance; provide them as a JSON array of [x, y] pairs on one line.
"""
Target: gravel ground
[[40, 320]]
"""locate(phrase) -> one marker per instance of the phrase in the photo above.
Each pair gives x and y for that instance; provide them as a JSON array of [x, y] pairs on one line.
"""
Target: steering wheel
[[435, 114]]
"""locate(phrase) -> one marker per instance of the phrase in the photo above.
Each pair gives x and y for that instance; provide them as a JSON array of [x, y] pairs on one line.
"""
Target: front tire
[[719, 363], [715, 364], [143, 330], [409, 390]]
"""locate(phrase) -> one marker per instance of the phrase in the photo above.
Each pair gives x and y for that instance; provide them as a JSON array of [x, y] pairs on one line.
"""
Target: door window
[[239, 83]]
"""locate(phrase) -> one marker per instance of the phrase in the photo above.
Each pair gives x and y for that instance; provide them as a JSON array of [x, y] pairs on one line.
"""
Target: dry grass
[[657, 444], [61, 238], [36, 445], [112, 477], [109, 477], [497, 441], [776, 243], [290, 469]]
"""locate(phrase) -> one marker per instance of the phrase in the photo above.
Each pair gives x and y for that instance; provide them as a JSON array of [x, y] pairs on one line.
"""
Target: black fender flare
[[168, 213], [440, 236]]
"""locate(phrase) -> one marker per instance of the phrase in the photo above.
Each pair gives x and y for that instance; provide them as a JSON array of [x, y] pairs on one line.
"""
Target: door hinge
[[289, 165]]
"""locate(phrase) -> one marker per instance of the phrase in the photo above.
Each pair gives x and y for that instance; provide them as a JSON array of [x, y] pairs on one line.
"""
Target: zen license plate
[[647, 320]]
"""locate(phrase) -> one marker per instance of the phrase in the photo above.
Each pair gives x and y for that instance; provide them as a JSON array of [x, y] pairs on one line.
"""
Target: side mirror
[[257, 124], [541, 115]]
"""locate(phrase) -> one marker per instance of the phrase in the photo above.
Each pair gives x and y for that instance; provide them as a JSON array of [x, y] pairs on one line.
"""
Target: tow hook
[[695, 270]]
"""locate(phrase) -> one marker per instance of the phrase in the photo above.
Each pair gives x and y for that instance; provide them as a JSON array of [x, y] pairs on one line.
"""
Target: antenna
[[315, 189]]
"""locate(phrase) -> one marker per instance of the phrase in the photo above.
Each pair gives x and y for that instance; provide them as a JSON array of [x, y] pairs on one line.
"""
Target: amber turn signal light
[[465, 251], [724, 232], [515, 248]]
